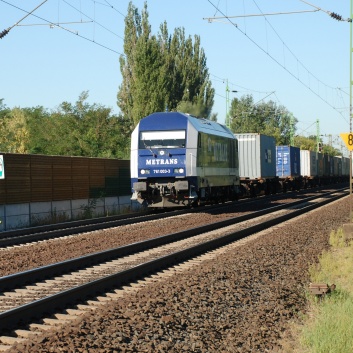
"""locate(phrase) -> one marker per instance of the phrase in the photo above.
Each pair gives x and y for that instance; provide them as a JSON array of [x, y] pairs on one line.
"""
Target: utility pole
[[318, 134], [291, 131], [227, 121], [350, 71], [330, 140], [350, 117], [227, 103]]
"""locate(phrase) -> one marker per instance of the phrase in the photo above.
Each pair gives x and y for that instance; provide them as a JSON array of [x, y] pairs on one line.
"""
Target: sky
[[290, 52]]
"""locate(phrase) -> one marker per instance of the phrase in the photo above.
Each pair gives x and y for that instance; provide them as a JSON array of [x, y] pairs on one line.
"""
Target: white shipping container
[[257, 156], [308, 163]]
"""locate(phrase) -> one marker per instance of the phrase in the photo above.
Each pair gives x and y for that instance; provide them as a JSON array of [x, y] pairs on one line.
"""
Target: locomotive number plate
[[161, 171]]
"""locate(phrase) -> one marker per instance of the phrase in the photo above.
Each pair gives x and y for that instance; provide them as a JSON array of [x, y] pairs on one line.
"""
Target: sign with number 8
[[348, 140]]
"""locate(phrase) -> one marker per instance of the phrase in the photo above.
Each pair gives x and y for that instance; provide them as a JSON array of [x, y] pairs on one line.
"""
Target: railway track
[[54, 231], [28, 235], [32, 293]]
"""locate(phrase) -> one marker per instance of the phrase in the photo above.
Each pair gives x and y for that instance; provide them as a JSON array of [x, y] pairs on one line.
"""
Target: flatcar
[[180, 160]]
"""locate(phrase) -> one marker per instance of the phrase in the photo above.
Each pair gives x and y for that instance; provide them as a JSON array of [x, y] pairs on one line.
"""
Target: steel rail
[[29, 312], [52, 231], [40, 273], [28, 235]]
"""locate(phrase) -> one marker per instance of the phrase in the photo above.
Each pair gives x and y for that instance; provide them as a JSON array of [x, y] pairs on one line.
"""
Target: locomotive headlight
[[178, 170], [145, 171]]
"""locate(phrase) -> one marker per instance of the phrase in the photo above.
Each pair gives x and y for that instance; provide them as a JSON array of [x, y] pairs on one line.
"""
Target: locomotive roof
[[176, 121]]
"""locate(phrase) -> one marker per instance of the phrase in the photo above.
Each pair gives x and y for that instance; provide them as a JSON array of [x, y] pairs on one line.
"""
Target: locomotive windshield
[[162, 139]]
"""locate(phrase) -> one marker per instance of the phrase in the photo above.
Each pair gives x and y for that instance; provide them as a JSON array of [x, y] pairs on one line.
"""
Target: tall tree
[[161, 71], [138, 77], [194, 77]]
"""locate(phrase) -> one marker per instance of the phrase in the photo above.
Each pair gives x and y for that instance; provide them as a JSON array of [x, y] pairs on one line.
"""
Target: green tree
[[139, 52], [305, 143], [90, 130], [196, 109], [79, 129], [161, 71], [14, 131], [309, 143], [39, 126], [4, 113], [192, 77], [330, 150], [4, 110], [266, 118]]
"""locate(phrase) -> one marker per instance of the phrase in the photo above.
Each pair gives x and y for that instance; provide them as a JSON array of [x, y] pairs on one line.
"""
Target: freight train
[[179, 160]]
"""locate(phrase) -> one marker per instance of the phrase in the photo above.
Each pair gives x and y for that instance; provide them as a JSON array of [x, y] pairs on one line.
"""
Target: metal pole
[[227, 99], [350, 117], [291, 130], [350, 186], [350, 73], [317, 135]]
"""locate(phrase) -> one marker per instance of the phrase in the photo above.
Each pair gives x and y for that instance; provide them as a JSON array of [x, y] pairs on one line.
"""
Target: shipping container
[[328, 166], [320, 164], [308, 163], [257, 156], [348, 163], [337, 166], [287, 161], [345, 166]]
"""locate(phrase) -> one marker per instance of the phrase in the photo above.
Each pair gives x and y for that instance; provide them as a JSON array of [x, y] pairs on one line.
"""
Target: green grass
[[328, 328]]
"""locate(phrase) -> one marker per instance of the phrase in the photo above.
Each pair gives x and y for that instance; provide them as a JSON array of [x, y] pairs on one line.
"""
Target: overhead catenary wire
[[291, 52], [107, 4], [229, 20], [6, 31], [245, 89], [332, 14], [220, 79], [61, 27], [215, 19], [99, 24], [114, 8], [58, 23]]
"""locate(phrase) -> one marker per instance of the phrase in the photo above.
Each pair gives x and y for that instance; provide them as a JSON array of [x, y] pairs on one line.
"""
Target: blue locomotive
[[179, 160]]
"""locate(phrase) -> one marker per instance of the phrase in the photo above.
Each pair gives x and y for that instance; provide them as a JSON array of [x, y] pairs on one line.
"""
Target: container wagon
[[288, 167], [309, 168], [257, 164]]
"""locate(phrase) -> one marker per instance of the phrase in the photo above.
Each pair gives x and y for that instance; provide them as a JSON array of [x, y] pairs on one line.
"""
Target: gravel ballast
[[241, 301]]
